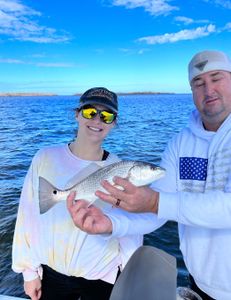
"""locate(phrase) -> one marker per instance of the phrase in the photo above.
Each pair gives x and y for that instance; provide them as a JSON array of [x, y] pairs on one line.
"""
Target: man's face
[[212, 97]]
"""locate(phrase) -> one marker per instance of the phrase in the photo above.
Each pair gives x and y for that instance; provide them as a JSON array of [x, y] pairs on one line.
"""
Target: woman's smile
[[95, 129]]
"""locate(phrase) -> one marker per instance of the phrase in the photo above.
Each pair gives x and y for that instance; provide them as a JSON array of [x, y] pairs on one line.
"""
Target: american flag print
[[193, 168]]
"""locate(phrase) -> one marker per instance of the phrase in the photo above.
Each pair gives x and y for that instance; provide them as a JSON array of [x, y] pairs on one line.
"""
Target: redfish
[[137, 172]]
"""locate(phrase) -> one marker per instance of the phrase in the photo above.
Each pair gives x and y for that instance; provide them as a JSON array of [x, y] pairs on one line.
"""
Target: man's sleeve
[[211, 209]]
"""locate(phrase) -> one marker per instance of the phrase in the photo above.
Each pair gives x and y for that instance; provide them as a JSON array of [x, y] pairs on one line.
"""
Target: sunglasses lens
[[89, 113], [107, 117]]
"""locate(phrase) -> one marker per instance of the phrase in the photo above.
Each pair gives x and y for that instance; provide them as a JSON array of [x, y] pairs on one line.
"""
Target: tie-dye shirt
[[52, 238]]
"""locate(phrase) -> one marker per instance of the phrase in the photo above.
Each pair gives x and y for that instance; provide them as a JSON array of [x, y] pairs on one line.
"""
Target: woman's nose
[[97, 118]]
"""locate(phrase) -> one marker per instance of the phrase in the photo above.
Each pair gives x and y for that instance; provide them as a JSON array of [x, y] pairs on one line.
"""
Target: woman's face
[[95, 129]]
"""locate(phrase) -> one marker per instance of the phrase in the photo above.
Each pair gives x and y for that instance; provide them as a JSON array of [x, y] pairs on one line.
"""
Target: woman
[[57, 259]]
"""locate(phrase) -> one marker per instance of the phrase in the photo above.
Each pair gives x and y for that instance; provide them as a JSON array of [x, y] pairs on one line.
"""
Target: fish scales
[[92, 182]]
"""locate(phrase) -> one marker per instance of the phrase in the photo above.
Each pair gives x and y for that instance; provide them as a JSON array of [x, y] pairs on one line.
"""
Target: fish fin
[[91, 201], [46, 200], [84, 173], [119, 187], [98, 203]]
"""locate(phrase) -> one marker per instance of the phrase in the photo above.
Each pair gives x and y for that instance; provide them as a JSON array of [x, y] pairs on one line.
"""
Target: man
[[196, 191]]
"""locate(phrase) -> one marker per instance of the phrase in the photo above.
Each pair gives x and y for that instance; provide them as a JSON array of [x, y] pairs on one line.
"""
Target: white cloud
[[11, 61], [142, 51], [133, 51], [43, 39], [55, 65], [38, 55], [17, 8], [223, 3], [17, 22], [184, 20], [227, 27], [188, 21], [179, 36], [154, 7], [37, 64], [125, 50]]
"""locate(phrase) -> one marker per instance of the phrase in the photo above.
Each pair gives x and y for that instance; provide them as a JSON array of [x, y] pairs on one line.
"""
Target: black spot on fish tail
[[46, 196]]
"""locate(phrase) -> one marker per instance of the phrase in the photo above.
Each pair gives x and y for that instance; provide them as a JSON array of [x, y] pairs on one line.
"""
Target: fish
[[139, 173]]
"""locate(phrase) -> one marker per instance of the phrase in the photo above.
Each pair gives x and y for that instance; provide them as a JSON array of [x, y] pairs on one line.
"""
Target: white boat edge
[[4, 297]]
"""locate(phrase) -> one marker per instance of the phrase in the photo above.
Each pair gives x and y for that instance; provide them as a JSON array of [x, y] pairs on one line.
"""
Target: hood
[[196, 126]]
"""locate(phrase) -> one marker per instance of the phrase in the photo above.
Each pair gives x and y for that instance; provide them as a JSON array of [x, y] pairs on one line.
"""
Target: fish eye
[[55, 192]]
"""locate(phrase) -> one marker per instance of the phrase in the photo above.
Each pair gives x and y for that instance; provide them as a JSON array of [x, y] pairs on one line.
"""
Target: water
[[146, 123], [187, 294]]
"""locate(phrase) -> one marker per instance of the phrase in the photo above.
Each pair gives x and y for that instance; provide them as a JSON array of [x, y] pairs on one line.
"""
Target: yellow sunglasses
[[105, 116]]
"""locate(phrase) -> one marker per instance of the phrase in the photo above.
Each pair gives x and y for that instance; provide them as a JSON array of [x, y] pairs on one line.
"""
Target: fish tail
[[46, 192]]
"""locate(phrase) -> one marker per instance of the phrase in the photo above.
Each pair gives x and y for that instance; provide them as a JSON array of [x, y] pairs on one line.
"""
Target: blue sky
[[66, 47]]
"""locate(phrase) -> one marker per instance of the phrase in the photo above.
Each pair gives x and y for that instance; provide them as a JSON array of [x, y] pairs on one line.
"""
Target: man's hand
[[89, 219], [33, 288], [131, 198]]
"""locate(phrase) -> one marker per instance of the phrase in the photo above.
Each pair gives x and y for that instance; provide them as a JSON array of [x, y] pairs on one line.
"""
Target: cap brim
[[100, 102]]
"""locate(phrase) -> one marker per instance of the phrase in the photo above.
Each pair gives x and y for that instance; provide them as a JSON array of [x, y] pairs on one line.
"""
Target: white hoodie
[[196, 193]]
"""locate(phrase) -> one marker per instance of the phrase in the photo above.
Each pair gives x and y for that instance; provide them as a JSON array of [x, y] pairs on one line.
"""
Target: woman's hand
[[33, 288], [88, 218]]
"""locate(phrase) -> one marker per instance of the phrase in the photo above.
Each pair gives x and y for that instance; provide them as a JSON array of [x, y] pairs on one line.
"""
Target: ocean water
[[145, 124]]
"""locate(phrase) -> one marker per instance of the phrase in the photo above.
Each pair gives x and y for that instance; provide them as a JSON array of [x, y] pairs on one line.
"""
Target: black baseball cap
[[99, 95]]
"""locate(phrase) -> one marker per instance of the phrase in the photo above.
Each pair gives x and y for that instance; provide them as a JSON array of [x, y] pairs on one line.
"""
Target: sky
[[66, 47]]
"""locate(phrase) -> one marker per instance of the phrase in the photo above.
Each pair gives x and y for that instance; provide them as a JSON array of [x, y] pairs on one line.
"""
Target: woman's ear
[[76, 114]]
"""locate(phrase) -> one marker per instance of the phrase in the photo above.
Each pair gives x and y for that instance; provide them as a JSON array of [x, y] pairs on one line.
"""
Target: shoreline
[[25, 94], [79, 94]]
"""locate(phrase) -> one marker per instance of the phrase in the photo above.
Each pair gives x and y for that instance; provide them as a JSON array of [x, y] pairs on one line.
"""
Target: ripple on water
[[145, 124]]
